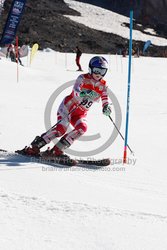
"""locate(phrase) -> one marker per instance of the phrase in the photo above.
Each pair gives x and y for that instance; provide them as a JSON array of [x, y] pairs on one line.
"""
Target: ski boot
[[34, 149], [56, 154], [57, 150]]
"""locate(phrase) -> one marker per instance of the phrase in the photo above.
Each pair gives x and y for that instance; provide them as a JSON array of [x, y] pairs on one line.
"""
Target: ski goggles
[[99, 71]]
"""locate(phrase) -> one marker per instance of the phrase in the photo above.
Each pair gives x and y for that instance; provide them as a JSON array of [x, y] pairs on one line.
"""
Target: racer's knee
[[58, 131], [82, 127]]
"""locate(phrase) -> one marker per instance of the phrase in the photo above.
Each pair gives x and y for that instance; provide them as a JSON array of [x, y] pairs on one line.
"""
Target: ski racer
[[88, 88]]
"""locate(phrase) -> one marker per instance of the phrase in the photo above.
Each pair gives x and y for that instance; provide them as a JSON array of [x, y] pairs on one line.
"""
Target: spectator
[[11, 52], [78, 56], [124, 52], [17, 55]]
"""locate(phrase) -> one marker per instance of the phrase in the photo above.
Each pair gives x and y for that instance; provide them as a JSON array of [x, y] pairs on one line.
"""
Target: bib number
[[87, 103]]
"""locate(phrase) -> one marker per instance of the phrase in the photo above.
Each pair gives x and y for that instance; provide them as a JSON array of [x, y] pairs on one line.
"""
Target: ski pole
[[120, 134]]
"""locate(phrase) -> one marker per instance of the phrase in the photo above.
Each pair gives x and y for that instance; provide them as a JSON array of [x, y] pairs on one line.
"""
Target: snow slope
[[121, 207], [108, 21]]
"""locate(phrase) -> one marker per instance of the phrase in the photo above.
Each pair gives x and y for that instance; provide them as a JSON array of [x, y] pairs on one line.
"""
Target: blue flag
[[12, 22], [146, 45]]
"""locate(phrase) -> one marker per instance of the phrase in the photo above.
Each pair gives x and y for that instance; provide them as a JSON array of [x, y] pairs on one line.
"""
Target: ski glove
[[107, 110], [87, 93]]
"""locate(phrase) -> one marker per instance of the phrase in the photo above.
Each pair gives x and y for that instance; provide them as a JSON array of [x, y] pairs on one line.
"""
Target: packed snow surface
[[120, 207]]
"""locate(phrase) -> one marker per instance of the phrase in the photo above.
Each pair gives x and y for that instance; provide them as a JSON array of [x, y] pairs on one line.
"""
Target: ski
[[64, 160], [3, 150], [76, 162], [100, 162]]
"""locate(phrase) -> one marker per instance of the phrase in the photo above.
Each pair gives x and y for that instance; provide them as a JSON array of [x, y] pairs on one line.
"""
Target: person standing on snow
[[11, 52], [78, 56], [17, 55], [88, 88]]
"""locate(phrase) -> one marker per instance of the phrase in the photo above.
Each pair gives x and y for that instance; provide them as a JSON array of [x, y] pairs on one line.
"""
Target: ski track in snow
[[51, 223], [34, 204]]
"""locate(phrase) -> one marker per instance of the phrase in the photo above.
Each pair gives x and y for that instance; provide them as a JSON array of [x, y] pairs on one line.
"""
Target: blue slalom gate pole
[[128, 90]]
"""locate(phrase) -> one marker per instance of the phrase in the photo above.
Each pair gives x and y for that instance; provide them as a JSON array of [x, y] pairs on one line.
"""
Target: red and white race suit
[[77, 118]]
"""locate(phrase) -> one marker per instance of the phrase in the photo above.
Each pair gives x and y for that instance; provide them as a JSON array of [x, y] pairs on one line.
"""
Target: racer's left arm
[[106, 108]]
